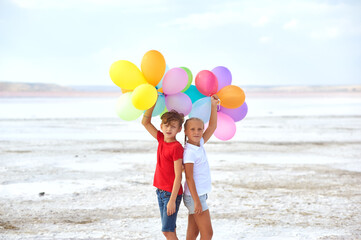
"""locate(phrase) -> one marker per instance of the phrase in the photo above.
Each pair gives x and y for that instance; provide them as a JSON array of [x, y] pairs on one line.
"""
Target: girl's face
[[194, 131]]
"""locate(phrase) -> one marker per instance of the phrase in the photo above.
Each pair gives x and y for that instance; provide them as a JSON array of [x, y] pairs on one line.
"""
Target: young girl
[[168, 172], [198, 178]]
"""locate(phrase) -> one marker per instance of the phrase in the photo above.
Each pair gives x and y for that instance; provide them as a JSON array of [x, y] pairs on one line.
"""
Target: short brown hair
[[172, 116]]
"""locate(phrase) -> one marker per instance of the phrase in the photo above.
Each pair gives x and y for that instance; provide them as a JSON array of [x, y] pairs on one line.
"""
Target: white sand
[[281, 177]]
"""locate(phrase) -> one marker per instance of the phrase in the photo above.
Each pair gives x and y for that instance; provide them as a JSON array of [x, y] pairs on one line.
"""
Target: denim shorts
[[189, 203], [168, 222]]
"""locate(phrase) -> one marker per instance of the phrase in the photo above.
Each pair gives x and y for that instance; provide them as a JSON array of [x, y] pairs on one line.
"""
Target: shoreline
[[252, 94]]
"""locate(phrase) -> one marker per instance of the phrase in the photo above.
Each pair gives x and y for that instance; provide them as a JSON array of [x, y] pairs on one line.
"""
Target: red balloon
[[206, 83]]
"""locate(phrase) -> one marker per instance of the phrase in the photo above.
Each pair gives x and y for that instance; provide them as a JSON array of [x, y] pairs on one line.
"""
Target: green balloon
[[165, 110], [125, 109], [190, 78]]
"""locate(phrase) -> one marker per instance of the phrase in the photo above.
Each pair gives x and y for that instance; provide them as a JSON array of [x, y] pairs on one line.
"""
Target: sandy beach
[[283, 176], [73, 71]]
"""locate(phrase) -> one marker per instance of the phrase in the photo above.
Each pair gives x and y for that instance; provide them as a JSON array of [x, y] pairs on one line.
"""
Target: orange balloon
[[160, 90], [231, 96], [153, 67]]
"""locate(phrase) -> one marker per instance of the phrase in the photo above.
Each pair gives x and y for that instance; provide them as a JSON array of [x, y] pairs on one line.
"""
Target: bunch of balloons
[[172, 89]]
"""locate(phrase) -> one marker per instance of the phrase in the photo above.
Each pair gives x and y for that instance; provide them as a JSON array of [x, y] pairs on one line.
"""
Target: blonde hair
[[186, 124]]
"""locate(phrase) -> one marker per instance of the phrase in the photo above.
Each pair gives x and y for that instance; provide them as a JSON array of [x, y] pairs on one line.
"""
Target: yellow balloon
[[126, 75], [125, 90], [153, 66], [144, 96]]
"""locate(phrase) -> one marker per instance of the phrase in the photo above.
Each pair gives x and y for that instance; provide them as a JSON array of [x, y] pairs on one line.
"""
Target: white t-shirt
[[201, 173]]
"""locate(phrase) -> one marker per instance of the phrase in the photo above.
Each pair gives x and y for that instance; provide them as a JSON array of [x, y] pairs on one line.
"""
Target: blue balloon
[[202, 109], [160, 84], [159, 105], [193, 93]]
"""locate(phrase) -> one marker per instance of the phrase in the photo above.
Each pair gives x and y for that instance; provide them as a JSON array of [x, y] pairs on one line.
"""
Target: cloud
[[236, 31], [312, 14], [265, 39], [224, 14], [205, 20], [291, 24], [45, 4], [261, 21], [326, 33]]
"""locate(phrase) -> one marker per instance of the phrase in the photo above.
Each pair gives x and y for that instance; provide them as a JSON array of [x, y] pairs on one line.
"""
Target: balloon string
[[219, 105]]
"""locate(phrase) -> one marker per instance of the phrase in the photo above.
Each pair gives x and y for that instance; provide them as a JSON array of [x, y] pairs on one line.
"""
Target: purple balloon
[[236, 113], [223, 75], [179, 102]]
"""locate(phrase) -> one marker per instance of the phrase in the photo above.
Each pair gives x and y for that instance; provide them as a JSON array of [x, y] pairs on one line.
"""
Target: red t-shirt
[[167, 153]]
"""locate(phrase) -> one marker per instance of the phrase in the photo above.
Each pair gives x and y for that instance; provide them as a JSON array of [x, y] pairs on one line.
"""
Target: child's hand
[[214, 100], [197, 207], [170, 208]]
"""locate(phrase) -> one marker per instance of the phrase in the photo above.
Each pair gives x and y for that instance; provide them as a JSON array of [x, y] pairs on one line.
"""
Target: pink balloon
[[206, 83], [223, 75], [226, 127], [179, 102], [174, 81], [236, 113]]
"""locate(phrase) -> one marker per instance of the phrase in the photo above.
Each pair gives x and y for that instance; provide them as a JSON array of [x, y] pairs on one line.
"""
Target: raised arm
[[212, 120], [147, 122]]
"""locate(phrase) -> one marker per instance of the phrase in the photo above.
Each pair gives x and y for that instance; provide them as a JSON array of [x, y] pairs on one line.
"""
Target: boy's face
[[170, 129]]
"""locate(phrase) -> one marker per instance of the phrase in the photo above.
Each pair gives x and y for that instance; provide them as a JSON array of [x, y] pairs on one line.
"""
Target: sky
[[263, 42]]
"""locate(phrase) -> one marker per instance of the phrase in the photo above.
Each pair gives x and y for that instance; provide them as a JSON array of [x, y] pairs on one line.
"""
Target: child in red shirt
[[168, 172]]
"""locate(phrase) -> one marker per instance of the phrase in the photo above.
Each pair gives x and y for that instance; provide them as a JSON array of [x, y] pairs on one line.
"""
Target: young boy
[[168, 172]]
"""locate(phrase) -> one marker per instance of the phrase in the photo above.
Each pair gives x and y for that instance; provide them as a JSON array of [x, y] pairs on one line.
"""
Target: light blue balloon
[[202, 109], [193, 93], [159, 105], [160, 84]]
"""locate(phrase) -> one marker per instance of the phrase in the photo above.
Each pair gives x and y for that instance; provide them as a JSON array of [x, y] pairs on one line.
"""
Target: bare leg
[[170, 235], [192, 229], [204, 224]]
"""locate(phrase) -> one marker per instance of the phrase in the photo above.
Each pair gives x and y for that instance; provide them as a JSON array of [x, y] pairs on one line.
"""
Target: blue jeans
[[168, 222]]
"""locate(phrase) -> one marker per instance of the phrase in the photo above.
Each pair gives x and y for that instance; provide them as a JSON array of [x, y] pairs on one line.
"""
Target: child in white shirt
[[198, 178]]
